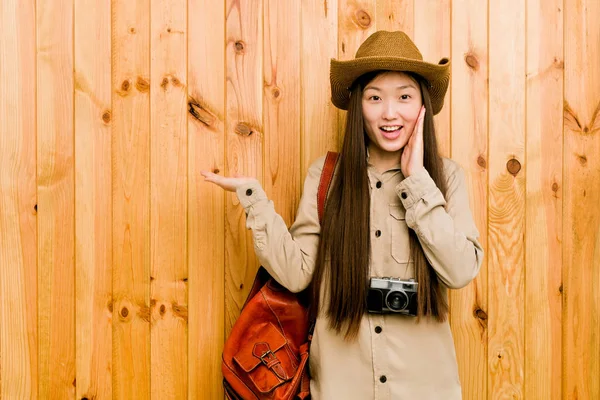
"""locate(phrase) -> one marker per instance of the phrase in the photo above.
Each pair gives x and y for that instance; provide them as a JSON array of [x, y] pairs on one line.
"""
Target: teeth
[[390, 128]]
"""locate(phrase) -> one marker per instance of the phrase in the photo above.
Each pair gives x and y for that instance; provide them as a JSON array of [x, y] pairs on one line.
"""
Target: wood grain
[[18, 232], [432, 35], [506, 226], [469, 147], [543, 309], [400, 15], [93, 230], [244, 142], [206, 113], [356, 22], [168, 204], [581, 227], [56, 199], [131, 198], [319, 124], [281, 105], [80, 96]]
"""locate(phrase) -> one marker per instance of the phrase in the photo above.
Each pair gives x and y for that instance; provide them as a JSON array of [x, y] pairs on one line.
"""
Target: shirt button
[[378, 329], [382, 379], [404, 195], [249, 192], [378, 184], [377, 233]]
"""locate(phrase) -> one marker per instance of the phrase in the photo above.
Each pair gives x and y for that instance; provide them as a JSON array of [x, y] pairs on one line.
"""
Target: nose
[[389, 110]]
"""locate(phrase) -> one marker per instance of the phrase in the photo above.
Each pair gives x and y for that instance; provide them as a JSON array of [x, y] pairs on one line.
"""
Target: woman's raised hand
[[228, 183], [412, 155]]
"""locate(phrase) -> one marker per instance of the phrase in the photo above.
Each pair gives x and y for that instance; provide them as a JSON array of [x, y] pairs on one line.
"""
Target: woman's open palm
[[228, 183], [412, 155]]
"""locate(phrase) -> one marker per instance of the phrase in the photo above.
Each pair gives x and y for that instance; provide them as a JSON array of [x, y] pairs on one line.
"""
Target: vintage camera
[[392, 295]]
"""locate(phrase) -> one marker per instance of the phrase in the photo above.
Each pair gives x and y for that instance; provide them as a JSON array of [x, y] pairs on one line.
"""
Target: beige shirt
[[394, 357]]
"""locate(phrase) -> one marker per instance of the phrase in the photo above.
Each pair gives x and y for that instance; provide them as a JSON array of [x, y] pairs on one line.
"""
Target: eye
[[375, 98], [405, 97]]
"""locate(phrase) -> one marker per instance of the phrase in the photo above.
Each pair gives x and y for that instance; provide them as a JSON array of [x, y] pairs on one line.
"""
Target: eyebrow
[[410, 85]]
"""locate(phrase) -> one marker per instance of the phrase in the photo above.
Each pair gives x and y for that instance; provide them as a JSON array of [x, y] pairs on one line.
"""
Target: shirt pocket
[[400, 247]]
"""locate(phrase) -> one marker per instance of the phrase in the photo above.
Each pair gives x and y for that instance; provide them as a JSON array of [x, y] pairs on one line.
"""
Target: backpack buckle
[[268, 357]]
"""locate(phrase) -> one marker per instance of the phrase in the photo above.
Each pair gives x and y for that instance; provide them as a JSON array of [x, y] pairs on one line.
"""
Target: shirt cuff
[[415, 187], [250, 193]]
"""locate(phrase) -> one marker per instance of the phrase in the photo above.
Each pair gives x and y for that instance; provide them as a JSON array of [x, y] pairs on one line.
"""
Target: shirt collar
[[393, 168]]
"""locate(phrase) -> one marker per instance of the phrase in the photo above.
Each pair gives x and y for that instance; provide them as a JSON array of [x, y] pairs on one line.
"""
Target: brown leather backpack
[[266, 354]]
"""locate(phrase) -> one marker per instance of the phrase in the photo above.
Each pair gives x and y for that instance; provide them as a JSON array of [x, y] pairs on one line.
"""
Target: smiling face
[[390, 104]]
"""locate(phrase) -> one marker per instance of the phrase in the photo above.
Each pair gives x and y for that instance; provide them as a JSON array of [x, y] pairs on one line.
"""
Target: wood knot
[[142, 84], [481, 162], [241, 286], [125, 86], [164, 83], [559, 64], [560, 289], [480, 314], [513, 166], [35, 209], [169, 30], [586, 129], [163, 309], [124, 312], [276, 92], [200, 113], [175, 81], [180, 311], [109, 306], [472, 61], [239, 47], [363, 19], [555, 187], [582, 159], [216, 171], [106, 116], [132, 30], [243, 129]]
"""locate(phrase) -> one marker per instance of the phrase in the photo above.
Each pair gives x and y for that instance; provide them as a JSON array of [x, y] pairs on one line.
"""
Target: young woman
[[395, 209]]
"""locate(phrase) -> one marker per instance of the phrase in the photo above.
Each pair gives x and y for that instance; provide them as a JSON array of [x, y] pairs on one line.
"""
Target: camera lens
[[396, 301]]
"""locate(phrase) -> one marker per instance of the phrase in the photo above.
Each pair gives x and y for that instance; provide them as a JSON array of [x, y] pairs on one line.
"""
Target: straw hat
[[392, 51]]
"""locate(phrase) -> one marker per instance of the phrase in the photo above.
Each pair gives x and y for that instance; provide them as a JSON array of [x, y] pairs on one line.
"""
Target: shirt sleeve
[[445, 229], [289, 256]]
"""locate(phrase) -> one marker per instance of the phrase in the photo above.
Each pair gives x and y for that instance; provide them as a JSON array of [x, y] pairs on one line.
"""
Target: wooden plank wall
[[94, 268], [544, 207], [470, 147], [130, 172], [122, 272], [55, 198], [581, 225], [19, 337], [206, 204]]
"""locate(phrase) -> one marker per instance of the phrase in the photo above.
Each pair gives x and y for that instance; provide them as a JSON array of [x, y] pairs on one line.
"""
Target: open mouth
[[391, 131]]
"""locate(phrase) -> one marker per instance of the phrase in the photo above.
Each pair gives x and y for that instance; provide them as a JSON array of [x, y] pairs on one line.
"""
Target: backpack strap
[[324, 184], [325, 181], [262, 276]]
